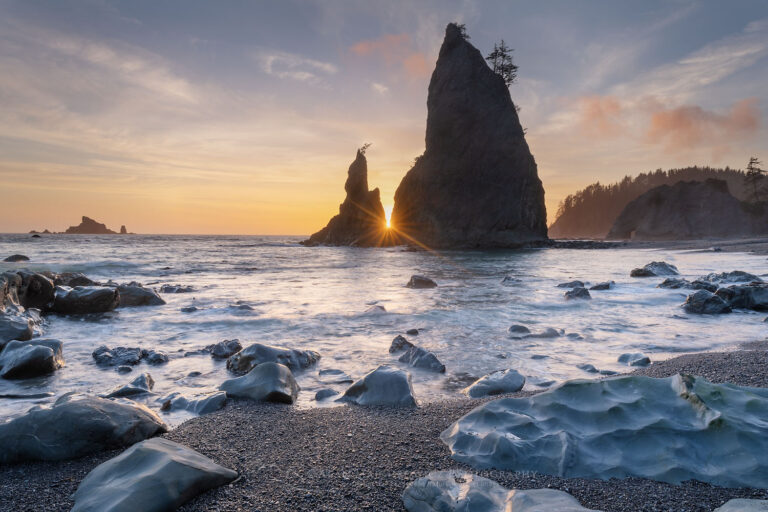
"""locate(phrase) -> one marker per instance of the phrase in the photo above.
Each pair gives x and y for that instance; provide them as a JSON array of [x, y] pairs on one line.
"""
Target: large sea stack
[[89, 227], [690, 210], [361, 221], [476, 185]]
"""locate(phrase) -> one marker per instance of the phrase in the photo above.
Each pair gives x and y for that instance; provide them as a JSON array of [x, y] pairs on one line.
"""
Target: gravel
[[355, 458]]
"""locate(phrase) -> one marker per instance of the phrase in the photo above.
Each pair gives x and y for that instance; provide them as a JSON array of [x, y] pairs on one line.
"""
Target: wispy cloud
[[295, 67], [380, 88]]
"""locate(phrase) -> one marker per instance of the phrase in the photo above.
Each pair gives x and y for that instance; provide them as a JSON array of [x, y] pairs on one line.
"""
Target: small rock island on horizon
[[87, 226]]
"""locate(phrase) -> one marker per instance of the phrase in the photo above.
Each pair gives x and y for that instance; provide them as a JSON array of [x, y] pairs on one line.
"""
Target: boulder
[[82, 300], [374, 310], [26, 359], [88, 226], [421, 358], [224, 349], [476, 185], [627, 426], [154, 358], [571, 284], [141, 385], [634, 359], [15, 258], [703, 302], [200, 405], [418, 281], [386, 385], [134, 294], [255, 354], [577, 293], [519, 329], [589, 368], [334, 376], [325, 393], [361, 220], [73, 279], [459, 491], [176, 288], [155, 475], [74, 426], [744, 505], [655, 269], [189, 309], [15, 325], [118, 356], [605, 285], [746, 296], [266, 382], [675, 283], [734, 276], [412, 332], [496, 383], [399, 343], [33, 290], [549, 332]]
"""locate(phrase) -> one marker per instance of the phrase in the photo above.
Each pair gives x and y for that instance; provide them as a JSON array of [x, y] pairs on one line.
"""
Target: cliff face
[[361, 220], [690, 210], [476, 184], [89, 227]]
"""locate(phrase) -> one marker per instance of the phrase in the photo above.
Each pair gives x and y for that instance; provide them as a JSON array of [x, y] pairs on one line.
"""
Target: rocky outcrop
[[361, 220], [476, 185], [89, 227], [267, 382], [123, 231], [153, 475], [689, 210]]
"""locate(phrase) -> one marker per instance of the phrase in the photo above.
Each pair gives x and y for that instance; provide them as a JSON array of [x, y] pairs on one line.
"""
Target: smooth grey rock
[[734, 276], [399, 343], [361, 220], [141, 385], [572, 284], [224, 349], [74, 426], [578, 293], [15, 326], [334, 376], [82, 300], [176, 288], [25, 359], [744, 505], [654, 269], [605, 285], [255, 354], [73, 279], [519, 329], [421, 358], [325, 393], [134, 294], [118, 356], [189, 309], [746, 296], [412, 332], [589, 368], [677, 283], [476, 185], [623, 427], [549, 332], [267, 382], [418, 281], [634, 359], [14, 258], [386, 385], [156, 475], [124, 369], [198, 405], [496, 383], [155, 358], [459, 491], [703, 302]]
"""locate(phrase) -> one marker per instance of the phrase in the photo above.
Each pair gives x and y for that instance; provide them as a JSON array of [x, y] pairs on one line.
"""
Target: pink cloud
[[397, 51], [601, 115]]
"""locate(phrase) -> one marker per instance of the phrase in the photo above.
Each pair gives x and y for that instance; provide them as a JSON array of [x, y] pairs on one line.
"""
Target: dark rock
[[654, 269], [386, 385], [606, 285], [589, 368], [496, 383], [549, 332], [334, 376], [267, 382], [189, 309], [73, 279], [375, 310], [82, 300], [325, 393], [123, 231], [421, 358], [519, 329], [33, 290], [256, 354], [361, 220], [747, 296], [634, 359], [89, 226], [118, 356], [176, 288], [153, 475], [476, 185], [155, 358], [224, 349], [74, 426], [677, 283], [578, 293], [124, 369], [141, 385], [704, 302], [412, 332], [16, 258], [509, 280], [134, 294], [203, 405], [17, 324], [398, 344], [418, 281], [735, 276], [25, 359], [689, 210], [571, 284]]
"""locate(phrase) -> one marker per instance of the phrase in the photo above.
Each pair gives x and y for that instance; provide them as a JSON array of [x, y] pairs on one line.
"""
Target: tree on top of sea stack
[[361, 220], [476, 185]]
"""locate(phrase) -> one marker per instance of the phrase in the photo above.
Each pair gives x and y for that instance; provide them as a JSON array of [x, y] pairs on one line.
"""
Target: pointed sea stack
[[361, 221], [476, 184]]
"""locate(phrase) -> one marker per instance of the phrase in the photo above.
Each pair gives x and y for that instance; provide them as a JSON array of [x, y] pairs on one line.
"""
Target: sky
[[242, 117]]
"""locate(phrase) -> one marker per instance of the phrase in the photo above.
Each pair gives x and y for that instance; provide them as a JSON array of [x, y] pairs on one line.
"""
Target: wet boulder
[[605, 285], [747, 296], [496, 383], [15, 258], [82, 300], [703, 302], [141, 385], [655, 269], [519, 330], [118, 356], [734, 276], [198, 405], [266, 382], [634, 359], [324, 394], [154, 357], [399, 343], [176, 288], [578, 293], [134, 294], [152, 476], [421, 358], [549, 332], [224, 349], [74, 426], [17, 324], [386, 385], [255, 354], [73, 279], [34, 290], [26, 359], [459, 491], [572, 284], [418, 281]]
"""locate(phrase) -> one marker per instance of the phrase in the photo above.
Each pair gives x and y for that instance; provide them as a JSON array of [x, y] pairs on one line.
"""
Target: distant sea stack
[[690, 210], [89, 227], [361, 221], [476, 185]]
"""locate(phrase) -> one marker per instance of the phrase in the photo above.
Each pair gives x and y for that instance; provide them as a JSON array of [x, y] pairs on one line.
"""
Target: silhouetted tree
[[754, 177], [365, 147], [462, 30], [501, 62]]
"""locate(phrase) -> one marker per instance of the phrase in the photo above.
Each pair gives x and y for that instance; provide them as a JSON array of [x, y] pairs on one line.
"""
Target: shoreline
[[361, 458]]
